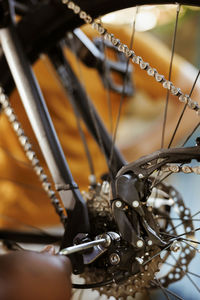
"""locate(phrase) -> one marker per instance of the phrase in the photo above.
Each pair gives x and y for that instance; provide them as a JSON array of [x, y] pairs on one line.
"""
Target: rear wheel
[[169, 208]]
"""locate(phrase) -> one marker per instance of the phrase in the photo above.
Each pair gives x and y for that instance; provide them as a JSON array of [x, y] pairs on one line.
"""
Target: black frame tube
[[43, 128]]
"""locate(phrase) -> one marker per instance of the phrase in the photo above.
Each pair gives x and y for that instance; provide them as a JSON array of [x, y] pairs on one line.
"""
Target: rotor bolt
[[118, 204], [140, 243], [135, 203], [114, 259], [150, 243], [176, 246]]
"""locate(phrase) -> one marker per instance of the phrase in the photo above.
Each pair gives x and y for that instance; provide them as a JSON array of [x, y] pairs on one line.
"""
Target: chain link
[[31, 155], [24, 141], [175, 91], [178, 169]]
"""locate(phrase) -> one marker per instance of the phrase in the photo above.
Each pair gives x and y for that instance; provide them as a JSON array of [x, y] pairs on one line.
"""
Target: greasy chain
[[24, 141], [175, 91], [184, 169], [31, 155]]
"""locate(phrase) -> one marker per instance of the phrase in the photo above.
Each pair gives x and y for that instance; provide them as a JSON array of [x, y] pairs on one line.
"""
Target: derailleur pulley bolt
[[135, 203], [175, 246], [114, 259], [140, 243], [118, 204]]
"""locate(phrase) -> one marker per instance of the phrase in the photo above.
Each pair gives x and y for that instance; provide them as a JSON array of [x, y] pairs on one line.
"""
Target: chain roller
[[96, 24], [31, 155], [184, 169]]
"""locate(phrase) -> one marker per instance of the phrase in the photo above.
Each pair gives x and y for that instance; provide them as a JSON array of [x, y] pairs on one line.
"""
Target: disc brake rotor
[[98, 202]]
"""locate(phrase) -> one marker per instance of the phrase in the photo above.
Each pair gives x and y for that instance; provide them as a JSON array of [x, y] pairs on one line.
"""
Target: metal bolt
[[150, 243], [176, 246], [140, 176], [139, 260], [114, 259], [135, 203], [92, 179], [140, 243], [118, 204], [105, 187]]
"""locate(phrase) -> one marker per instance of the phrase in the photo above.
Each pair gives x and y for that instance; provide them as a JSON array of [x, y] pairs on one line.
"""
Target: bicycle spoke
[[176, 219], [183, 144], [192, 231], [189, 272], [184, 221], [158, 283], [167, 247], [188, 276], [123, 90], [68, 79], [93, 115], [78, 119], [170, 292], [197, 250], [170, 73], [183, 111], [181, 239], [140, 218], [107, 90], [190, 135], [189, 240], [173, 294]]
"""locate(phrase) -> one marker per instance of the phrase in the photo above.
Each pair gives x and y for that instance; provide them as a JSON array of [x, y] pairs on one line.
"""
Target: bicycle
[[126, 246]]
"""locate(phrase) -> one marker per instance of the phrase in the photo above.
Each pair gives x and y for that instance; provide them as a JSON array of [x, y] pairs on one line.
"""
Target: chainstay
[[130, 54], [31, 155]]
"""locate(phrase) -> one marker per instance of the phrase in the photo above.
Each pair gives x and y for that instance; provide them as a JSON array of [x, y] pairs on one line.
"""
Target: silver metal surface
[[81, 247], [37, 112]]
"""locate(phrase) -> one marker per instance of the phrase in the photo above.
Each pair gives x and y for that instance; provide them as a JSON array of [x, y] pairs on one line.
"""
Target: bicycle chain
[[184, 169], [130, 54], [30, 154]]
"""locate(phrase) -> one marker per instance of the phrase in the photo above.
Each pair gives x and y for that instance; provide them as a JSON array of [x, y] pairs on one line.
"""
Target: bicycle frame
[[38, 115]]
